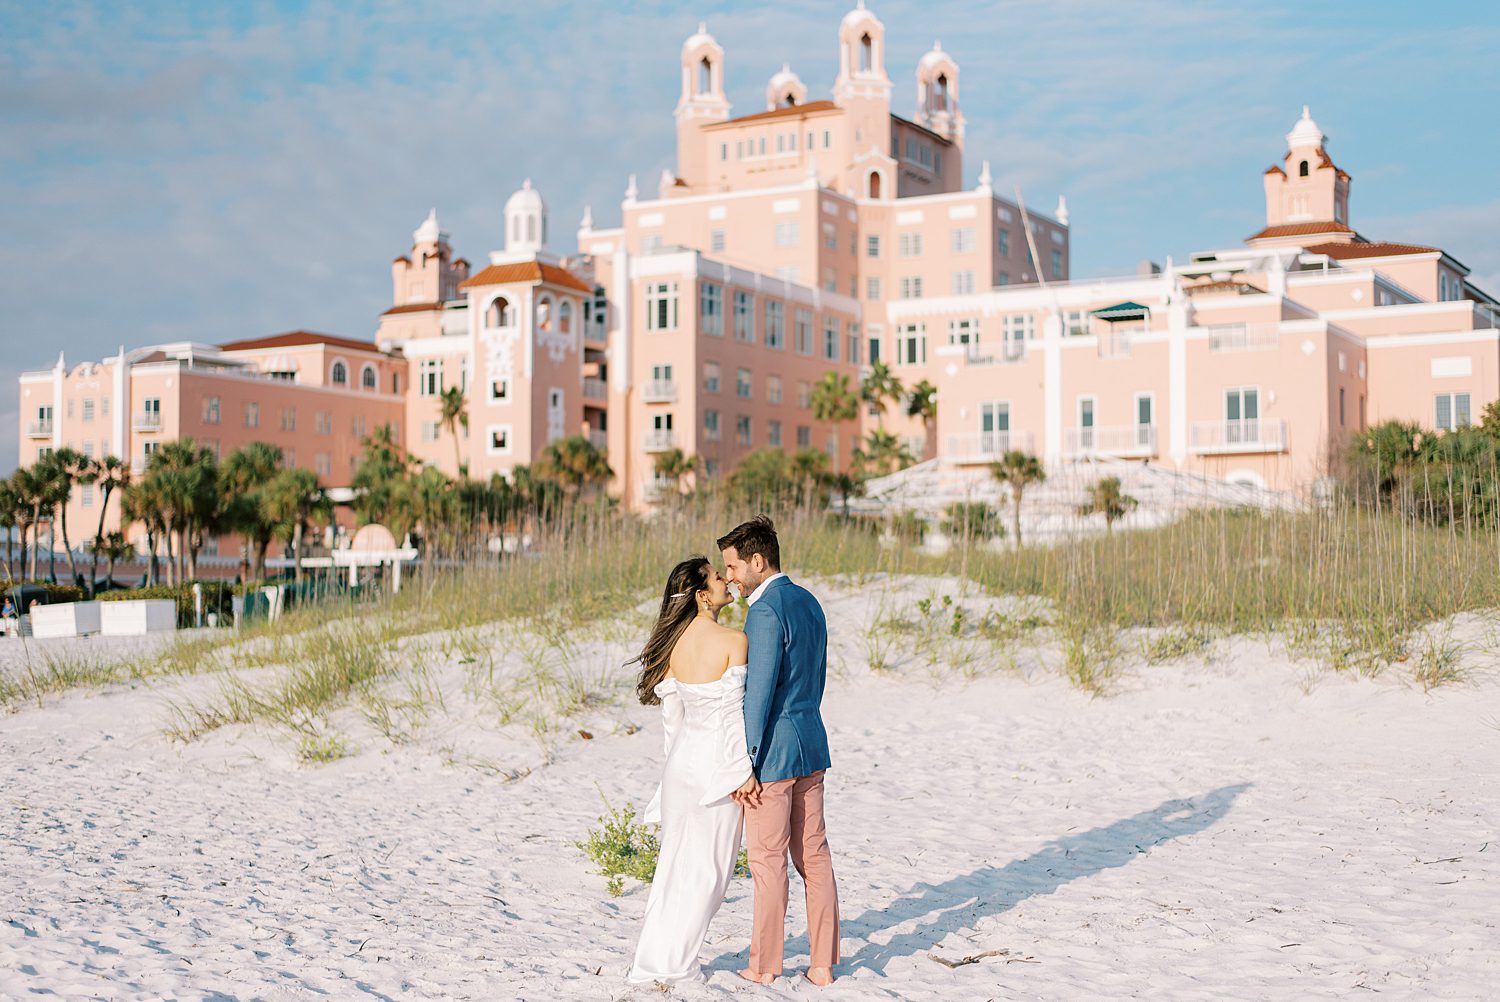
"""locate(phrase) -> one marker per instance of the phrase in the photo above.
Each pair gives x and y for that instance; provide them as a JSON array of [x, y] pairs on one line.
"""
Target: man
[[788, 749]]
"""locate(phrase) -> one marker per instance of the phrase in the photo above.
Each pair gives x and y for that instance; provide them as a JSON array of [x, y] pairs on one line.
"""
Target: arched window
[[531, 229], [499, 313], [874, 184], [340, 374], [544, 314], [705, 76], [940, 99], [565, 317], [1302, 171], [515, 229], [367, 377], [866, 53], [789, 100]]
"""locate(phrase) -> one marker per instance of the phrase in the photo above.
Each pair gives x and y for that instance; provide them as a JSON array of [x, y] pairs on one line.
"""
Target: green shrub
[[909, 527], [55, 592], [622, 848], [217, 597], [975, 520]]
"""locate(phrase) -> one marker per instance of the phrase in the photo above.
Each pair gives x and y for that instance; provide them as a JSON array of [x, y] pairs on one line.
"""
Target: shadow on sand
[[961, 902]]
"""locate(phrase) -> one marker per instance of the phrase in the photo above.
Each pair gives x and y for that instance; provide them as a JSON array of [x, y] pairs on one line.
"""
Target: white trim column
[[1177, 426], [119, 445], [1052, 420], [57, 402]]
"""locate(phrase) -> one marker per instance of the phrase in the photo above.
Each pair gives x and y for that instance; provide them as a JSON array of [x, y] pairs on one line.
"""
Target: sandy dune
[[1219, 829]]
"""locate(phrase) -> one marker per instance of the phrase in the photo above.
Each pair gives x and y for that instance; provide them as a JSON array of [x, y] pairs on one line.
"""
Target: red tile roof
[[1273, 169], [810, 108], [1377, 248], [1301, 230], [527, 271], [413, 308], [292, 339]]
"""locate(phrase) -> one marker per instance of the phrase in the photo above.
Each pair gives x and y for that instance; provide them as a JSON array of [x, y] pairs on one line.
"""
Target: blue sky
[[179, 170]]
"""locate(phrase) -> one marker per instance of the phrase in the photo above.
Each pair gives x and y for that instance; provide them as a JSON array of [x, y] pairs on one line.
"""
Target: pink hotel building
[[819, 236]]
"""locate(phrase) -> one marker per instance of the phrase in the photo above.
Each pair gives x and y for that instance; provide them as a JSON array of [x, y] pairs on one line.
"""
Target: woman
[[695, 669]]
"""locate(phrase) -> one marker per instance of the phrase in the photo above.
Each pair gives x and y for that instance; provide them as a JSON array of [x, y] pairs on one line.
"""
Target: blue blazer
[[784, 685]]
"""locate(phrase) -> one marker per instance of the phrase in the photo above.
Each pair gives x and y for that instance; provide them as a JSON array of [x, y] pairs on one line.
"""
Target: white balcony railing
[[659, 391], [599, 439], [137, 467], [1006, 353], [660, 441], [656, 487], [1114, 340], [1243, 435], [40, 429], [595, 389], [148, 421], [1243, 337], [1126, 441], [986, 446]]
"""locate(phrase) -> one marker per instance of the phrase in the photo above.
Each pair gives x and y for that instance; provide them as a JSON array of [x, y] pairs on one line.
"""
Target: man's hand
[[748, 795]]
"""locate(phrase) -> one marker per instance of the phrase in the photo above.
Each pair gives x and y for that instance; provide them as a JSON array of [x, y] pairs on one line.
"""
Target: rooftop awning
[[1123, 311]]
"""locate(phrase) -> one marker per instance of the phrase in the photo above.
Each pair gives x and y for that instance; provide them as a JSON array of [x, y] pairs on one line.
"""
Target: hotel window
[[662, 424], [853, 244], [661, 306], [723, 151], [739, 149], [499, 391], [742, 429], [324, 422], [831, 339], [804, 394], [1002, 241], [909, 245], [716, 242], [911, 287], [340, 374], [786, 233], [830, 236], [853, 338], [760, 147], [872, 288], [773, 433], [88, 410], [357, 426], [775, 324], [565, 317], [710, 377], [659, 374], [431, 431], [322, 464], [1242, 414], [711, 308], [963, 283], [803, 332], [1145, 418], [742, 383], [1085, 422], [872, 245], [804, 436], [289, 459], [830, 279], [499, 313], [288, 419], [499, 440], [711, 425], [252, 415], [104, 406], [994, 420], [963, 240], [367, 377], [70, 408], [1018, 327], [430, 377], [965, 331], [87, 495], [1341, 407], [1076, 323], [911, 344], [210, 410], [1452, 410], [773, 389], [1057, 264], [1004, 278], [826, 138], [744, 317], [88, 449], [874, 355]]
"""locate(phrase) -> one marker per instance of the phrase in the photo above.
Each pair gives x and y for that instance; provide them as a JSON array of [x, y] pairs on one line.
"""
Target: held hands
[[748, 795]]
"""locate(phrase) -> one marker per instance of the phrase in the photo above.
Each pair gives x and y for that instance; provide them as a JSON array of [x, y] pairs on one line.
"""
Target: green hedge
[[55, 592], [217, 597]]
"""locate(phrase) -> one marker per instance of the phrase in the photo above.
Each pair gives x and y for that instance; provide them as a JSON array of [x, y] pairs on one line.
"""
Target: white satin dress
[[700, 825]]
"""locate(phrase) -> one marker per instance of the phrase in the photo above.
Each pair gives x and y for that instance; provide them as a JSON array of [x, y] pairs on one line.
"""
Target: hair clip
[[681, 594]]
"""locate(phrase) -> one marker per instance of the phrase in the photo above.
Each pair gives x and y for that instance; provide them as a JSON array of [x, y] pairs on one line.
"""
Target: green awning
[[1123, 311]]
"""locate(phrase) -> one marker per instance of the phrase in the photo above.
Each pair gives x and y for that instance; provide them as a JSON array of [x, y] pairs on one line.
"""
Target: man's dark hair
[[755, 536]]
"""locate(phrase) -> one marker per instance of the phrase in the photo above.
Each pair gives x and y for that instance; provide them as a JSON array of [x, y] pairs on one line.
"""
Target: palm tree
[[30, 486], [847, 486], [923, 404], [113, 548], [883, 453], [10, 518], [430, 495], [110, 474], [454, 412], [292, 501], [1106, 498], [576, 465], [66, 467], [881, 386], [243, 479], [382, 470], [1017, 470], [182, 480], [138, 504], [673, 465]]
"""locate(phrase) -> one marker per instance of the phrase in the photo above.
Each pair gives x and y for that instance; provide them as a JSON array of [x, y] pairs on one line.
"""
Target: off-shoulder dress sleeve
[[732, 767], [672, 712]]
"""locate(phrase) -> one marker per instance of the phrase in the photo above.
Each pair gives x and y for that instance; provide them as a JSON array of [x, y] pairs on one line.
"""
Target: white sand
[[1214, 831]]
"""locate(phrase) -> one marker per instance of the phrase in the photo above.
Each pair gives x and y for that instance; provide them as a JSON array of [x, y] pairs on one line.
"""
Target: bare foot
[[820, 976], [757, 977]]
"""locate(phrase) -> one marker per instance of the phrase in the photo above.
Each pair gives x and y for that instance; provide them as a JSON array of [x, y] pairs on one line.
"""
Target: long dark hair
[[679, 604]]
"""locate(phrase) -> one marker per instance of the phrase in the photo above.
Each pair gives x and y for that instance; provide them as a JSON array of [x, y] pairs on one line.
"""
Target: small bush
[[321, 748], [56, 593], [217, 597], [1179, 642], [909, 527], [622, 848], [974, 520]]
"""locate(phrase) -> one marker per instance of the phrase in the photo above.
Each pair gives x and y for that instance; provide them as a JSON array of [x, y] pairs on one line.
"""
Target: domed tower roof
[[935, 57], [1305, 132], [525, 220], [785, 88], [859, 15], [700, 37], [429, 232]]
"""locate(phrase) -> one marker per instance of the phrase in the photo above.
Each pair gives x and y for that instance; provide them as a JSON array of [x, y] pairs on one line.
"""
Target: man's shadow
[[959, 903]]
